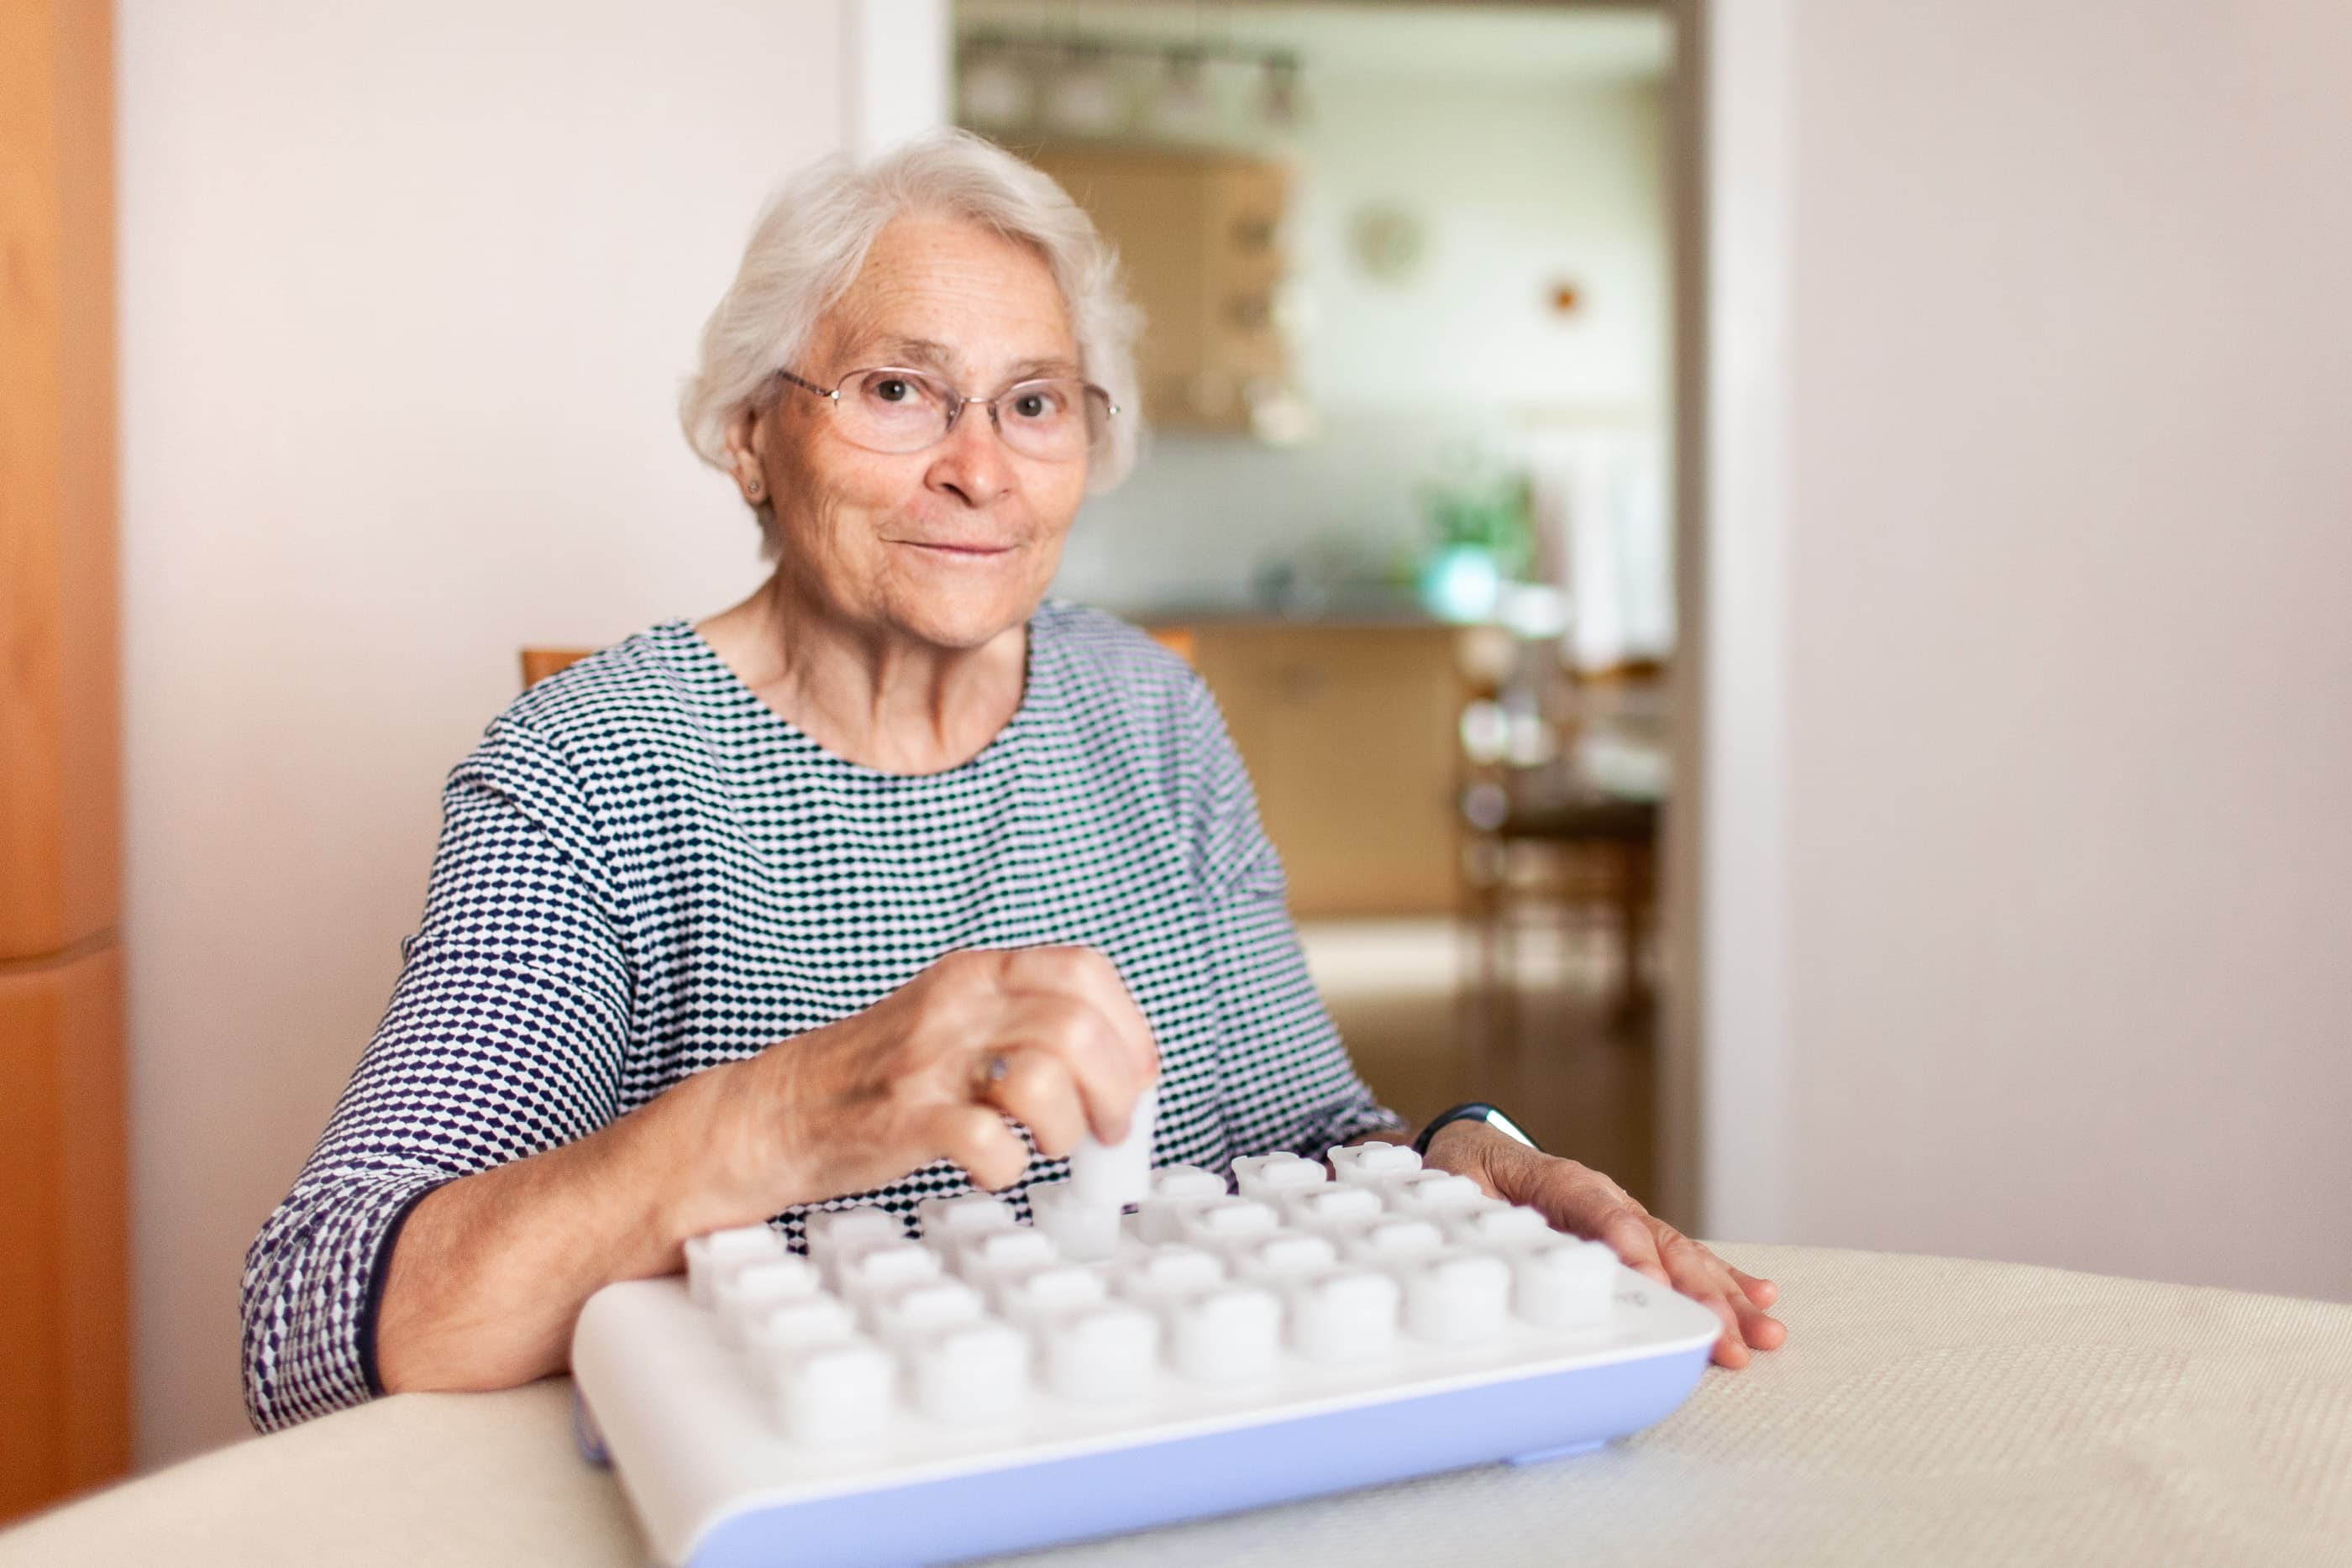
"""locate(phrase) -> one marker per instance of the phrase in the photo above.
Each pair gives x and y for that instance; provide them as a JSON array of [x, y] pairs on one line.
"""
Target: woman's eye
[[893, 389], [1035, 405]]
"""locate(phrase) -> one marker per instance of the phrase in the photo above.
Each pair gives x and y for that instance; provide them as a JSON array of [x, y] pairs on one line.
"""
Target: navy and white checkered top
[[645, 870]]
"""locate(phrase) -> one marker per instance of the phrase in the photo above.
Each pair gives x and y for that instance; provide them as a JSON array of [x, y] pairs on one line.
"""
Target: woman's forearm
[[490, 1271]]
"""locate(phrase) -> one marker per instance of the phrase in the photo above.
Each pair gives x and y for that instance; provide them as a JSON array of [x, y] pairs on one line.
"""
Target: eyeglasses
[[1055, 419]]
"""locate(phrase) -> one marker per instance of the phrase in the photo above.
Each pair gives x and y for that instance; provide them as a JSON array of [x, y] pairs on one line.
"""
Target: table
[[1926, 1410]]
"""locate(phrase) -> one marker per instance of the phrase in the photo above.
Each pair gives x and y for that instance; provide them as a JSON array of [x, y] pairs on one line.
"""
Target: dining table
[[1925, 1410]]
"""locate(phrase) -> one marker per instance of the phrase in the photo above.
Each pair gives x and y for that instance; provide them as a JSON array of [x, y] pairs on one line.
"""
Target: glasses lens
[[893, 410], [1058, 420]]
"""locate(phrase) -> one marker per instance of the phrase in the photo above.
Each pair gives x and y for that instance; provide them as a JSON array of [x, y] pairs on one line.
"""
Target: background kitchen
[[1406, 368]]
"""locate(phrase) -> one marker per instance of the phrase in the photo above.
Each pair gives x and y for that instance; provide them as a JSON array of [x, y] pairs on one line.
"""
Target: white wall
[[2031, 359], [1519, 185], [407, 288]]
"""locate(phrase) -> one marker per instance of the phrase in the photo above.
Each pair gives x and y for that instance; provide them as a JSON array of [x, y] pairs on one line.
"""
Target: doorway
[[1414, 498]]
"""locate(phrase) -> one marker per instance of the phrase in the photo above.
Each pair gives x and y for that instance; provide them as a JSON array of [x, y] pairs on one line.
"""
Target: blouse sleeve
[[1289, 1083], [504, 1037]]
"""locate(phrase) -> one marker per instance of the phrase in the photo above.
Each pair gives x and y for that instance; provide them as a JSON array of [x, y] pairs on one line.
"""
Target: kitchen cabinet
[[65, 1394], [1349, 732], [1200, 238]]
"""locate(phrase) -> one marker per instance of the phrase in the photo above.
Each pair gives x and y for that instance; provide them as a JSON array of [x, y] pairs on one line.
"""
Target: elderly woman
[[887, 883]]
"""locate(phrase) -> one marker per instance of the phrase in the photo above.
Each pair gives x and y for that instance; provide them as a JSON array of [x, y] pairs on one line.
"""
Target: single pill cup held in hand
[[1119, 1174]]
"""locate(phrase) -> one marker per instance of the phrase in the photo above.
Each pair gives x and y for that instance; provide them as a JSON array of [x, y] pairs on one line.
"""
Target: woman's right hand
[[1047, 1036], [487, 1276]]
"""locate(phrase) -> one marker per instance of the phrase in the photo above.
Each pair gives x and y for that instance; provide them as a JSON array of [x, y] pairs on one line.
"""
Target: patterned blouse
[[645, 871]]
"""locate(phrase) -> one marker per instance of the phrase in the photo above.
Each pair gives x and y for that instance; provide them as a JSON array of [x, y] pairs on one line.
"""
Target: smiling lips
[[948, 547]]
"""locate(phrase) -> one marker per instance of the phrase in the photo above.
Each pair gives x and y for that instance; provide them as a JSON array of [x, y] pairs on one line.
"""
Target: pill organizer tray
[[716, 1485]]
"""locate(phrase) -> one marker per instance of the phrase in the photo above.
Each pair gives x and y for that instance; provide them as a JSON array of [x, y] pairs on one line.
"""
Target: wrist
[[1464, 1144], [704, 1155], [1484, 1154]]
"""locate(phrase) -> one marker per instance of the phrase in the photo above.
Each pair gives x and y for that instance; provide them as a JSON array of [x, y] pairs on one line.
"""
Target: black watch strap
[[1476, 1111]]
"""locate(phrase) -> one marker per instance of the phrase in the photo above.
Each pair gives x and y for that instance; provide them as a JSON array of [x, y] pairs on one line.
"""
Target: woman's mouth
[[957, 548]]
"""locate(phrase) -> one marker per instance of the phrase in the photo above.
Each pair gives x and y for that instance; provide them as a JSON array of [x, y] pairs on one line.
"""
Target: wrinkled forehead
[[948, 296]]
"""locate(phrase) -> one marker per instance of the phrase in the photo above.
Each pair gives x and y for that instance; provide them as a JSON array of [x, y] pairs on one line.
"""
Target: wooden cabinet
[[65, 1420], [1198, 234], [1351, 736], [65, 1383]]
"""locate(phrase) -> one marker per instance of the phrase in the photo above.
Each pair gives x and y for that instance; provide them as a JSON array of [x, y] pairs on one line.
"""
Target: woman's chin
[[964, 605], [967, 622]]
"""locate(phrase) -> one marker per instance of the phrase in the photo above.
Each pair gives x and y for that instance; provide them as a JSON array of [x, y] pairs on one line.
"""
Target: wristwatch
[[1476, 1111]]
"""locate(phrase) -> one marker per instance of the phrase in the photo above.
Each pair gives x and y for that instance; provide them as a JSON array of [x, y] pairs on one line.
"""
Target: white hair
[[813, 237]]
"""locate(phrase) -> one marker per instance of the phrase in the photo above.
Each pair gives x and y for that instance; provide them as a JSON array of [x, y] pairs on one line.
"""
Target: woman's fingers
[[1073, 1034], [1084, 975], [1629, 1235], [1037, 1090], [1578, 1198], [1707, 1279], [1760, 1328], [1757, 1289], [1698, 1274], [975, 1137], [1749, 1296]]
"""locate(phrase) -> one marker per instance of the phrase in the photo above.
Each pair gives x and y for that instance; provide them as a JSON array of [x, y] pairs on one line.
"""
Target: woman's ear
[[744, 441]]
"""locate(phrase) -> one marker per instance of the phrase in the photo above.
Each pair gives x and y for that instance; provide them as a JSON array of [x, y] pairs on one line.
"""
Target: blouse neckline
[[695, 650]]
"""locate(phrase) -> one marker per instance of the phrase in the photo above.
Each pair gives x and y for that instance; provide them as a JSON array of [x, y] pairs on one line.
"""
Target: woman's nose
[[973, 461]]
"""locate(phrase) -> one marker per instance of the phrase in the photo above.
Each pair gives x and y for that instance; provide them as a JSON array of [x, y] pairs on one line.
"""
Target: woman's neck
[[870, 694]]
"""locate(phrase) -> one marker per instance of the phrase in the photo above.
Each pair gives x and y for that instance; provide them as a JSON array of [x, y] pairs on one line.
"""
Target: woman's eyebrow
[[918, 353], [1054, 365], [925, 354]]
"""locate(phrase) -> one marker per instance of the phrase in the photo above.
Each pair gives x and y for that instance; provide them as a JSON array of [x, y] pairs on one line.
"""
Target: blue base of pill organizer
[[1222, 1472]]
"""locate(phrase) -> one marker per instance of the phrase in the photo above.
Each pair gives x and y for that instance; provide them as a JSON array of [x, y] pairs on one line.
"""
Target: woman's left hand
[[1581, 1201]]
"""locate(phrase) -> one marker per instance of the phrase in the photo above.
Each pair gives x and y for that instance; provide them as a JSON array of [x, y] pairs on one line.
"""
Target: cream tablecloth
[[1925, 1411]]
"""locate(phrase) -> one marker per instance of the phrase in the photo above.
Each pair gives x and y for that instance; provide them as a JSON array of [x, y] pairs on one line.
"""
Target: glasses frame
[[957, 402]]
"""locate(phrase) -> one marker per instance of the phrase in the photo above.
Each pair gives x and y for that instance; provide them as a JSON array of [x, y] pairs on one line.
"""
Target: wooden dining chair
[[538, 663]]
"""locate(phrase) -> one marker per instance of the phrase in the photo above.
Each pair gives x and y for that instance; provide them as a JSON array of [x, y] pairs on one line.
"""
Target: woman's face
[[955, 545]]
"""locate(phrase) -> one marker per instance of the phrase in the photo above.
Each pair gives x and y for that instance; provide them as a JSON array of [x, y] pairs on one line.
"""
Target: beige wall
[[407, 288], [2033, 514]]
